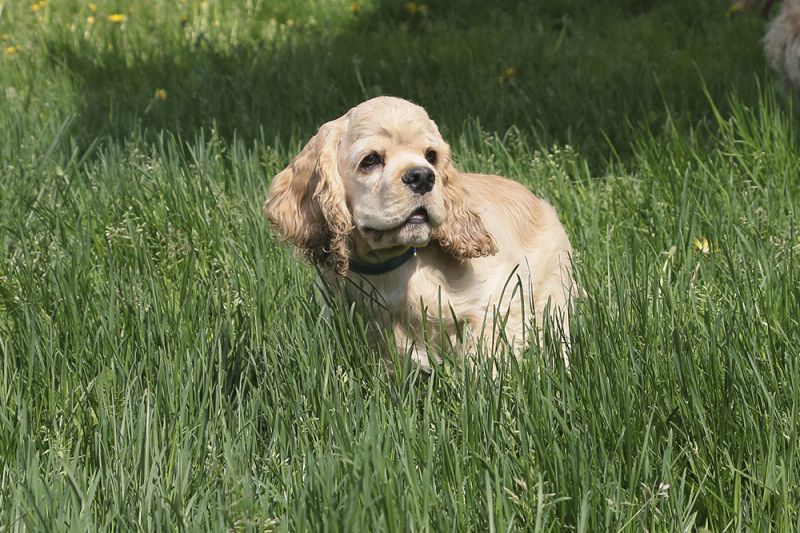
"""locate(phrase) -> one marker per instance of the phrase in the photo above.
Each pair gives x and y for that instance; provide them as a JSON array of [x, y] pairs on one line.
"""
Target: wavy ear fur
[[306, 201], [462, 234]]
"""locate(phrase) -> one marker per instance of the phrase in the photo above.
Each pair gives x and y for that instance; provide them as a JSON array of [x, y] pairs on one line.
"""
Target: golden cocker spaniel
[[435, 258]]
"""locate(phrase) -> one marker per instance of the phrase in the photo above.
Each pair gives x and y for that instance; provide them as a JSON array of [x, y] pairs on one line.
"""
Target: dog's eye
[[431, 156], [372, 160]]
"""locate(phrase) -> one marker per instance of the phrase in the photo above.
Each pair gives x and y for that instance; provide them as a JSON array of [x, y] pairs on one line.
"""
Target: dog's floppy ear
[[306, 201], [462, 234]]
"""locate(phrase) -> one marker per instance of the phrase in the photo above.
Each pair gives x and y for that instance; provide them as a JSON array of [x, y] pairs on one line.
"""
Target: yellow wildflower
[[506, 75], [411, 8], [354, 8], [92, 7], [38, 6], [161, 94], [11, 50], [734, 8], [90, 20], [117, 18], [702, 245], [5, 37]]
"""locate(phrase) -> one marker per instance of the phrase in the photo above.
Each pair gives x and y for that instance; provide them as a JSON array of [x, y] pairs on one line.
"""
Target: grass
[[165, 366]]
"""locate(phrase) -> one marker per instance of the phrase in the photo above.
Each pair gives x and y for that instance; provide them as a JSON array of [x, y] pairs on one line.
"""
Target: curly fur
[[462, 235], [306, 201]]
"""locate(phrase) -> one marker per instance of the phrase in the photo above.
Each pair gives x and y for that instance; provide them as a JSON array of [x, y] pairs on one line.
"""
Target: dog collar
[[375, 269]]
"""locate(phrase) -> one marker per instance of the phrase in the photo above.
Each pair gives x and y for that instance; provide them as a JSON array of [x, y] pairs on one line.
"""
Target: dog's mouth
[[418, 216]]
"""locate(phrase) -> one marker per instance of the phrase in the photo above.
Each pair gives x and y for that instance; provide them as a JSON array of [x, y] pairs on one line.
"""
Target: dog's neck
[[383, 267], [370, 261]]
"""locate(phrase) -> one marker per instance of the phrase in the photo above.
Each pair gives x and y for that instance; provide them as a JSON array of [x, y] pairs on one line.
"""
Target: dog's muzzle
[[419, 179]]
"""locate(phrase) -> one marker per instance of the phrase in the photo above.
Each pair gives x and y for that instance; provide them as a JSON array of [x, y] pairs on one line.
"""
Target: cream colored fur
[[782, 43], [491, 256], [782, 40]]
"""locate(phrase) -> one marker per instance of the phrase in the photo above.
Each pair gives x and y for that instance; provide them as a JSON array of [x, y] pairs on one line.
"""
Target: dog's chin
[[412, 234]]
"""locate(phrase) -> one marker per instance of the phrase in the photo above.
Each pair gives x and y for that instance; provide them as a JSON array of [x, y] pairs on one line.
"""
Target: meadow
[[163, 361]]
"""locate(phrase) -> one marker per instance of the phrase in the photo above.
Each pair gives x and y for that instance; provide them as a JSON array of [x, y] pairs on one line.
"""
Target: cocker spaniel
[[436, 258]]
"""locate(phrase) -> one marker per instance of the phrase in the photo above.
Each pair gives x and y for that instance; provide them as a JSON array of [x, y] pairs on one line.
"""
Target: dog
[[782, 40], [440, 259], [782, 43]]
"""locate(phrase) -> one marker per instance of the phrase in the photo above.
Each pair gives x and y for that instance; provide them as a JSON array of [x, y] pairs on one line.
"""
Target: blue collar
[[370, 269]]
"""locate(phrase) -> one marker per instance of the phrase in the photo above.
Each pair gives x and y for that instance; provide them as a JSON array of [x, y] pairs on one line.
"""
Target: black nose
[[419, 179]]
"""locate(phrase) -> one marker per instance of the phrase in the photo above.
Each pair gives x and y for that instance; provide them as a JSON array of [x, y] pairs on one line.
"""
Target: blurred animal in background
[[782, 40]]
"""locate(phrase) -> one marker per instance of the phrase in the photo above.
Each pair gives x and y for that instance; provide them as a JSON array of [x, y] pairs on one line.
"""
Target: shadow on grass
[[588, 74]]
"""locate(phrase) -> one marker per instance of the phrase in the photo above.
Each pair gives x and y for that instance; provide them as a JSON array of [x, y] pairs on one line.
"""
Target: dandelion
[[5, 37], [506, 75], [92, 7], [90, 20], [411, 8], [734, 8], [161, 94], [10, 50], [38, 6], [702, 245], [117, 18], [354, 8]]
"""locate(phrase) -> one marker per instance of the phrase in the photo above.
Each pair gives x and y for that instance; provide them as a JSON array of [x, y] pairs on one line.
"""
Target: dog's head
[[373, 183]]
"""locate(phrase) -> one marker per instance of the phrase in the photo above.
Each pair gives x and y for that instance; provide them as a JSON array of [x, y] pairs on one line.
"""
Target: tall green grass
[[164, 364]]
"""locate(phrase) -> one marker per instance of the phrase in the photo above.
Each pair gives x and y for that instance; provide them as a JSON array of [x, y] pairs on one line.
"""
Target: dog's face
[[391, 159], [373, 183]]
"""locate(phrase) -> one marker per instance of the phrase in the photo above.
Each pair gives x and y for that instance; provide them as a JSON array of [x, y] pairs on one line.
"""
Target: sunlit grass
[[163, 360]]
